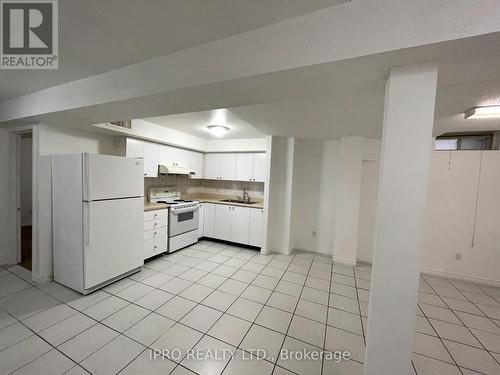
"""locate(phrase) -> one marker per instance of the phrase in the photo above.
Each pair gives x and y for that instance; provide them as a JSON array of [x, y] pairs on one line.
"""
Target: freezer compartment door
[[113, 238], [111, 177]]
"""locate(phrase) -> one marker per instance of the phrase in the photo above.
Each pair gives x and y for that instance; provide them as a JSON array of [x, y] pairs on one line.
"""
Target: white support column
[[402, 202], [345, 242]]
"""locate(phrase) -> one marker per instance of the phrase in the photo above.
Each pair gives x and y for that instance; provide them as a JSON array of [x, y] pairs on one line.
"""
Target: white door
[[240, 222], [259, 167], [244, 166], [222, 227], [150, 159], [212, 166], [196, 164], [113, 239], [255, 237], [228, 166], [110, 177], [208, 219]]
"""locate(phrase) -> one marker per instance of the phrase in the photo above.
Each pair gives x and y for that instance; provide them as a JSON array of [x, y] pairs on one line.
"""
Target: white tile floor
[[217, 296]]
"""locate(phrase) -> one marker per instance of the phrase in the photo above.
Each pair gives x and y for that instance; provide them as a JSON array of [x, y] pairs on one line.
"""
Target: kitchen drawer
[[155, 246], [155, 224], [154, 215], [154, 233]]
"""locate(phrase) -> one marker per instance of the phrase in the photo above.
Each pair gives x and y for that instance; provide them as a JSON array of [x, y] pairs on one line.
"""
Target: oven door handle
[[183, 210]]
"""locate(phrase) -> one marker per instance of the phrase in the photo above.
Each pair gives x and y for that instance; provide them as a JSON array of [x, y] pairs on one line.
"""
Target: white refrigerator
[[97, 217]]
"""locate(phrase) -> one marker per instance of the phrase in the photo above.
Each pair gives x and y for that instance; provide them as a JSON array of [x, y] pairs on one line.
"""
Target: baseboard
[[345, 261], [449, 275], [460, 277], [43, 280]]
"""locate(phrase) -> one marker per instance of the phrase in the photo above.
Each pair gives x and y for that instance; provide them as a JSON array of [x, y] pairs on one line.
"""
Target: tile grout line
[[327, 312], [293, 314], [469, 329]]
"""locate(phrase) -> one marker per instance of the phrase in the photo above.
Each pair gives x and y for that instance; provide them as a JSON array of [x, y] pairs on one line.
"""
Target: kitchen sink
[[238, 201]]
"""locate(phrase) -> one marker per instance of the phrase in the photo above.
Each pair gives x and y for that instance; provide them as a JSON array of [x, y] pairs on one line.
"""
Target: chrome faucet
[[245, 193]]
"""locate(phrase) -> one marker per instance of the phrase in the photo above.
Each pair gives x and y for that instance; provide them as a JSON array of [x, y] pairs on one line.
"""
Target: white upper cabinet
[[228, 166], [259, 167], [251, 167], [244, 167], [220, 166], [181, 157], [212, 167], [135, 148], [147, 151], [165, 155], [150, 159], [195, 162], [169, 155]]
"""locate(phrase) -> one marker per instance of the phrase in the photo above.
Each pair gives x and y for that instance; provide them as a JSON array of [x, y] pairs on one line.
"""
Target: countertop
[[218, 199], [148, 206]]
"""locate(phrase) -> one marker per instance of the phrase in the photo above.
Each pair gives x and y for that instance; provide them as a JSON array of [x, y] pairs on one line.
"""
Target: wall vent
[[123, 124]]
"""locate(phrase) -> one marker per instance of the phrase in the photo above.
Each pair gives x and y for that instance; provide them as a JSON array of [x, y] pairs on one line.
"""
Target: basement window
[[457, 142]]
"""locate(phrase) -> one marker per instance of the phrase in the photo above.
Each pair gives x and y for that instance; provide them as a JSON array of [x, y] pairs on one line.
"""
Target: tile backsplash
[[187, 185]]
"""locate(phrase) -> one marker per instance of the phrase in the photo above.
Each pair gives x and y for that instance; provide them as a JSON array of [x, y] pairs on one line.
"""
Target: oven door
[[183, 220]]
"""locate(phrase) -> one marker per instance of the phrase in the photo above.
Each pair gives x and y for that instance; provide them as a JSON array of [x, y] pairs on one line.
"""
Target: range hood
[[175, 169]]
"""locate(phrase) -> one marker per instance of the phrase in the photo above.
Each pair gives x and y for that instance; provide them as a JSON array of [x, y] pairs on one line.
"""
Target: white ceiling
[[347, 98], [329, 100], [195, 123], [96, 36]]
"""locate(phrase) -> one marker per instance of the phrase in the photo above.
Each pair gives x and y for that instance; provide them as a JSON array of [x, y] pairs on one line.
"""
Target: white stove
[[182, 218]]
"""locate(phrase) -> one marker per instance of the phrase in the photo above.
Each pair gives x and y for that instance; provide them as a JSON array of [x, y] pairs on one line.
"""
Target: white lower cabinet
[[237, 224], [222, 225], [256, 233], [240, 224], [155, 232], [209, 219]]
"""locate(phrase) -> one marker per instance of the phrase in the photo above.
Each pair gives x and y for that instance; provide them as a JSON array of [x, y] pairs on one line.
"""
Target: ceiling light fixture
[[492, 111], [217, 130]]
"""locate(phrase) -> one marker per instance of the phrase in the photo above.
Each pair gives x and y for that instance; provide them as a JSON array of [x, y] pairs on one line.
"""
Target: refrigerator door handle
[[88, 223]]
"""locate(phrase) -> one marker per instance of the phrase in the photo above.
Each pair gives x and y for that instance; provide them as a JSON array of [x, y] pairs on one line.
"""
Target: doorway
[[25, 202]]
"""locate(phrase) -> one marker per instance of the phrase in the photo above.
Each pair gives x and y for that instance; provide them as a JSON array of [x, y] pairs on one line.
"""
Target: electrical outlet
[[458, 256], [314, 233]]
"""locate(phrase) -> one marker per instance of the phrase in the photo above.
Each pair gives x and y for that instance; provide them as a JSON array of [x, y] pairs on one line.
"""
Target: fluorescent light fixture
[[492, 111], [217, 130]]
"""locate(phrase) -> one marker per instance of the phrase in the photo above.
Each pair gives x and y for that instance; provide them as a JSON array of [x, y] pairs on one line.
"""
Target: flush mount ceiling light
[[492, 111], [217, 130]]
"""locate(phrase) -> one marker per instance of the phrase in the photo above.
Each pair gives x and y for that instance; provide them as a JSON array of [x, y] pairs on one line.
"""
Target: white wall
[[348, 198], [26, 172], [368, 202], [8, 239], [58, 140], [314, 181], [459, 181], [54, 140], [280, 195], [453, 193]]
